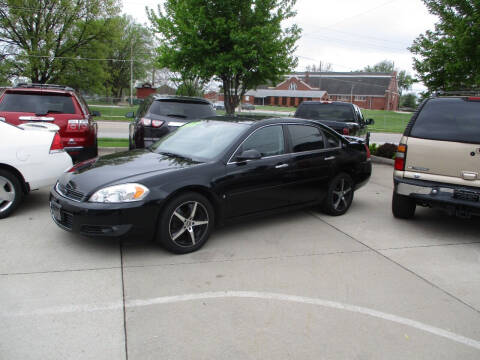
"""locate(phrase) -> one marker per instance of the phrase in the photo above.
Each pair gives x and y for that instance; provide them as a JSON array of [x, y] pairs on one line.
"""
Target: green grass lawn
[[111, 142], [275, 108], [113, 113], [387, 121]]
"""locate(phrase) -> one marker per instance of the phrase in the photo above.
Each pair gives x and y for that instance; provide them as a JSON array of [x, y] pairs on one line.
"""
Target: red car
[[56, 104]]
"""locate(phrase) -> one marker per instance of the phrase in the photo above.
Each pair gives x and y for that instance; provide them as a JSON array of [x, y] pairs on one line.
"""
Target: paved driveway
[[297, 286]]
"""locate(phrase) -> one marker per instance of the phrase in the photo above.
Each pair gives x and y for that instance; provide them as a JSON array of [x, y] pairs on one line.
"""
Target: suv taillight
[[368, 151], [150, 122], [400, 157], [57, 145], [77, 124], [346, 131]]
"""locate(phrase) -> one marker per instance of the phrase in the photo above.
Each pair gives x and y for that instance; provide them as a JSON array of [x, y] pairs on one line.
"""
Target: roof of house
[[336, 83], [262, 93]]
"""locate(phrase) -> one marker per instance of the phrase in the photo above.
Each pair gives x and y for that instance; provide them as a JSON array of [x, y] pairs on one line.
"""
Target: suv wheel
[[186, 223], [339, 195], [403, 207], [11, 194]]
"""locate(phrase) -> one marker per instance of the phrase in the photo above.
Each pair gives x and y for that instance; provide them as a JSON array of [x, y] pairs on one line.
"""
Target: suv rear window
[[181, 109], [334, 112], [454, 119], [37, 103]]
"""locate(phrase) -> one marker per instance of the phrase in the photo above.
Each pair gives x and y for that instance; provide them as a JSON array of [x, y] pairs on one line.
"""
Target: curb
[[382, 160]]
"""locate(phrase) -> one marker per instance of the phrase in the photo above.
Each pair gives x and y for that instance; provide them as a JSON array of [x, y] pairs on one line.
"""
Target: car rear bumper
[[137, 219], [455, 199]]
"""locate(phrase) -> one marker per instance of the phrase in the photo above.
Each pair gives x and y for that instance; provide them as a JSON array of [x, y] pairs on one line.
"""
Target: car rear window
[[182, 109], [38, 103], [454, 119], [334, 112]]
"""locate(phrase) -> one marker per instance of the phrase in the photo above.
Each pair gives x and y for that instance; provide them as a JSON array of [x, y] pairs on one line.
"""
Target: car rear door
[[258, 185], [311, 164], [444, 142]]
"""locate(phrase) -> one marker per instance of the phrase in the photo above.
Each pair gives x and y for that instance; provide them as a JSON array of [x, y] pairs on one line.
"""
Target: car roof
[[262, 120], [326, 102], [180, 98]]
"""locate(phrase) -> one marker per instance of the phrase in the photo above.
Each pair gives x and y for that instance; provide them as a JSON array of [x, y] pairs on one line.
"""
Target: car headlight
[[120, 193]]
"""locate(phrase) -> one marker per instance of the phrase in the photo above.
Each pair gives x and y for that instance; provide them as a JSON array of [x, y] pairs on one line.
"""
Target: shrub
[[386, 150], [373, 148]]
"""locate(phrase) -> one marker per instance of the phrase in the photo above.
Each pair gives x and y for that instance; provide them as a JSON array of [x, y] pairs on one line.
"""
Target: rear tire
[[403, 207], [11, 193], [186, 223], [339, 195]]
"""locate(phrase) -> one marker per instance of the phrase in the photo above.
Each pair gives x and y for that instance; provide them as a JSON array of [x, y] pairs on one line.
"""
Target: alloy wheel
[[7, 194], [188, 223], [341, 195]]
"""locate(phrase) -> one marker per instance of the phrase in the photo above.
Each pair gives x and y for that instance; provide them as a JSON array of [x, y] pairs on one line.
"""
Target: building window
[[343, 98], [360, 98], [284, 101], [293, 86]]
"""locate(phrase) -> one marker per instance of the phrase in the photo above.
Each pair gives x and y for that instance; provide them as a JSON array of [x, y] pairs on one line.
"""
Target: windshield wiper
[[49, 112], [177, 115], [176, 155]]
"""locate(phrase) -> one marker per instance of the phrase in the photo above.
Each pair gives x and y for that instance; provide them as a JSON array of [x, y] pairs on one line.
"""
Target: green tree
[[42, 34], [448, 58], [408, 101], [240, 43], [405, 81]]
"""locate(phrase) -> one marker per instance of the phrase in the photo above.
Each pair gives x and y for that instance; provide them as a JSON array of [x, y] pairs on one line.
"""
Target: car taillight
[[146, 122], [57, 145], [157, 123], [72, 124], [346, 131], [474, 98], [400, 157], [368, 151], [83, 124]]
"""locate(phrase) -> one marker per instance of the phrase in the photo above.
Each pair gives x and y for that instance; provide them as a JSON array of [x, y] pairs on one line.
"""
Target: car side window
[[305, 138], [331, 140], [268, 141]]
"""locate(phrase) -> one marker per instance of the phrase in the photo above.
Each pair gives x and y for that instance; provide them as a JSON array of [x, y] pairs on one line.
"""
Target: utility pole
[[131, 72]]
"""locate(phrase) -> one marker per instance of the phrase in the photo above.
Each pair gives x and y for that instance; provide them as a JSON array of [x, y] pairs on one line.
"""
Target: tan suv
[[438, 158]]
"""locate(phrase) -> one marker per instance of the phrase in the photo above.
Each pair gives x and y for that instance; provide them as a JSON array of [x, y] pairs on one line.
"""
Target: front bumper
[[459, 200], [137, 219]]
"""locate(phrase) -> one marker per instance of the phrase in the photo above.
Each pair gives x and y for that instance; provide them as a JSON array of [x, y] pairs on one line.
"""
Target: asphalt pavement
[[301, 285], [119, 130]]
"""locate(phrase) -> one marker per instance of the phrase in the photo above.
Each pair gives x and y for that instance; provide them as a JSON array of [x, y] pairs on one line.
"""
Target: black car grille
[[67, 220], [96, 229], [69, 192], [466, 195]]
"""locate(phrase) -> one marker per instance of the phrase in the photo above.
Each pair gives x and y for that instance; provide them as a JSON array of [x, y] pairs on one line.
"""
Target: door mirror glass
[[130, 115], [96, 113], [370, 122], [251, 154]]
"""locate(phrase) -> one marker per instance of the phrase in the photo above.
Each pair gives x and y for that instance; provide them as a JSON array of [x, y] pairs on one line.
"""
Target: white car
[[31, 157]]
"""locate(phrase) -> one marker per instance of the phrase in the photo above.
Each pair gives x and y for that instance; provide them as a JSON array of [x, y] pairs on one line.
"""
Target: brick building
[[378, 91]]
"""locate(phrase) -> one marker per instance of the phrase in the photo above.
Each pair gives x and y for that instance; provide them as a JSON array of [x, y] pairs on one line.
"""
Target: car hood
[[123, 167]]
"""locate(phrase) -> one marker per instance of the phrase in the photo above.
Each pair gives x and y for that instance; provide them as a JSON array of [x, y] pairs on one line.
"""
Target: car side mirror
[[251, 154], [370, 122], [96, 113], [130, 115]]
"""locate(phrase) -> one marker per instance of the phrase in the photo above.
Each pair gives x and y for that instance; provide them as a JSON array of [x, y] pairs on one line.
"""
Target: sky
[[349, 34]]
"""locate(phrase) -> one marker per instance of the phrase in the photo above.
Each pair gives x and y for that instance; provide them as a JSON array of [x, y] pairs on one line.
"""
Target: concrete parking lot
[[301, 285]]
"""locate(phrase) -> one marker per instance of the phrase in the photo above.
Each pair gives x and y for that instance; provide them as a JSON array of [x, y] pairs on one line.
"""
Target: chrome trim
[[229, 162], [57, 189], [175, 123], [330, 158], [73, 148], [408, 189], [282, 166]]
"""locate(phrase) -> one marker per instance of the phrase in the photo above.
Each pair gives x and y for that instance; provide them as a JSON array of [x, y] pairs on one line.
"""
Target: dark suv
[[158, 115], [56, 104], [438, 159], [344, 118]]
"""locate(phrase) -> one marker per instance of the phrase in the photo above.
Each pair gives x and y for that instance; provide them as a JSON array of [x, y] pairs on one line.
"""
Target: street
[[301, 285]]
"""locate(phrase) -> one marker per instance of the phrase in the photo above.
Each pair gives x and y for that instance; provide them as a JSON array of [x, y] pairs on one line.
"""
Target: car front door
[[258, 185]]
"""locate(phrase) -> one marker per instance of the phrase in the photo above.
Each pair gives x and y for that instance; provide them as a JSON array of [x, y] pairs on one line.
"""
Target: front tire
[[186, 223], [403, 207], [339, 195], [11, 194]]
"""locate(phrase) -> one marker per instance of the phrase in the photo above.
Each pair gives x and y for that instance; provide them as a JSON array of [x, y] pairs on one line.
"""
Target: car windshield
[[201, 140], [37, 103], [333, 112], [182, 109]]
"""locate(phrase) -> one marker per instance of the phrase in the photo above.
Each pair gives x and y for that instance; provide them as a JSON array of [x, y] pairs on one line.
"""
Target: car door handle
[[282, 166], [330, 158]]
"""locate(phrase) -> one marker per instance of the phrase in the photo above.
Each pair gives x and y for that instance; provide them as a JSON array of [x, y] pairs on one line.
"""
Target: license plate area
[[56, 211], [466, 195]]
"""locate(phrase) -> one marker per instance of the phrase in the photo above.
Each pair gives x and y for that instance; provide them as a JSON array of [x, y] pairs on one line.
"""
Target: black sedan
[[209, 172]]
